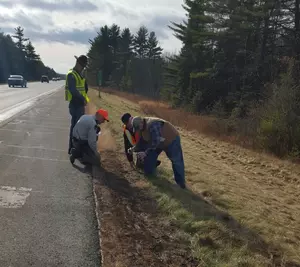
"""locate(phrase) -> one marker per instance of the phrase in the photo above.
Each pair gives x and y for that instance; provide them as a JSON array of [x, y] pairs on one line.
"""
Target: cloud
[[117, 10], [41, 26], [64, 37], [25, 20], [62, 28], [73, 5], [159, 24]]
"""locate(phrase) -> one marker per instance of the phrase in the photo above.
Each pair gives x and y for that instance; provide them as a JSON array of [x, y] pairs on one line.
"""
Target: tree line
[[19, 57], [240, 61], [231, 50], [130, 62]]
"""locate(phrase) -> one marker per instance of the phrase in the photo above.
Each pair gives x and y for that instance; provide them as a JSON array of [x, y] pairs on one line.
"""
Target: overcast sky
[[61, 29]]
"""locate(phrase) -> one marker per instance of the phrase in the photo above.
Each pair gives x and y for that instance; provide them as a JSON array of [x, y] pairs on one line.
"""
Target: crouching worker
[[130, 139], [85, 136], [161, 136]]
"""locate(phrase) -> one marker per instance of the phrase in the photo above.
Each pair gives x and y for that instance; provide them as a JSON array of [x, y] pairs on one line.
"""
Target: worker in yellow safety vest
[[76, 90]]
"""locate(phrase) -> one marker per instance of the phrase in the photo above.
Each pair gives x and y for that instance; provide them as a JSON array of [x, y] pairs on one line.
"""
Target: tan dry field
[[241, 208]]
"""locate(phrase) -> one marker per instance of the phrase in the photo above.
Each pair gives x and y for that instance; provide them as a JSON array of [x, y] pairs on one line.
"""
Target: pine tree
[[141, 42], [125, 49], [191, 66], [30, 52], [114, 36], [154, 51], [126, 42], [20, 58], [19, 35]]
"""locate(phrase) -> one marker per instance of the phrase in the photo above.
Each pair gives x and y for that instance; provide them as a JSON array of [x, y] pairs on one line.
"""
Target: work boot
[[182, 185], [73, 155], [72, 159], [88, 168]]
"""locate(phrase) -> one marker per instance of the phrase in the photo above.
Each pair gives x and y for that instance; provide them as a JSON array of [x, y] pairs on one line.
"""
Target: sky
[[61, 29]]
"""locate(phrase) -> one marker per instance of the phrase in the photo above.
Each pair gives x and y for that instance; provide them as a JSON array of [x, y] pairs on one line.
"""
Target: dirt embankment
[[259, 193], [132, 232]]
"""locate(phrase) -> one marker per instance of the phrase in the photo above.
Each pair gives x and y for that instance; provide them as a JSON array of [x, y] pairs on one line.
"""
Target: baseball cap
[[136, 122], [104, 113], [125, 118], [82, 60]]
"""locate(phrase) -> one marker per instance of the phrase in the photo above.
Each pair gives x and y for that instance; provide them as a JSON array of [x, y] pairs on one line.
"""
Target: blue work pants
[[174, 153]]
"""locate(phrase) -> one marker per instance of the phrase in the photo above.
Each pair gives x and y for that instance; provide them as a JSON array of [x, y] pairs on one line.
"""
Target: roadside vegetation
[[236, 79], [238, 66], [241, 208]]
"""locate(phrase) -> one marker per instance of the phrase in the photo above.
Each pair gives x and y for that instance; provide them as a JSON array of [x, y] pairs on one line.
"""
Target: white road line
[[22, 131], [43, 126], [48, 117], [12, 197], [29, 122], [28, 157], [32, 147]]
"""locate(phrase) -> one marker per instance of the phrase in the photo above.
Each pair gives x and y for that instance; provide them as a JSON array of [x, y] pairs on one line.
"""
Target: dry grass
[[208, 125], [242, 208]]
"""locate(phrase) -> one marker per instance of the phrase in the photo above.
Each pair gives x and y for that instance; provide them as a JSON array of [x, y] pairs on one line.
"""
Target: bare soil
[[131, 230]]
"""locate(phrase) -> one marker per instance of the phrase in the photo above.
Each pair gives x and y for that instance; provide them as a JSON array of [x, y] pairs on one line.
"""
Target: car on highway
[[16, 80], [45, 79], [54, 79]]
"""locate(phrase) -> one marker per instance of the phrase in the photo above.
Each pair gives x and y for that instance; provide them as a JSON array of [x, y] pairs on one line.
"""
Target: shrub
[[279, 130]]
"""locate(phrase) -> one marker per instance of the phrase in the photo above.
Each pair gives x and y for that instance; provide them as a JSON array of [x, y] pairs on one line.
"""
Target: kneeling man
[[85, 136]]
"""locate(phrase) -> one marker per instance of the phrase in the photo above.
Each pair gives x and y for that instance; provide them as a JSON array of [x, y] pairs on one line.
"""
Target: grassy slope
[[242, 208]]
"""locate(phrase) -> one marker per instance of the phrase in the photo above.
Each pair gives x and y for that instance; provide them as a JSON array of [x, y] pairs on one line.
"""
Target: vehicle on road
[[54, 79], [16, 80], [45, 79]]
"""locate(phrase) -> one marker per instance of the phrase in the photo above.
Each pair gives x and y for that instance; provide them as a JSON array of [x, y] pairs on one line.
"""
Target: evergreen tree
[[21, 58], [114, 36], [30, 52], [154, 51], [141, 42], [125, 60], [126, 42], [19, 35]]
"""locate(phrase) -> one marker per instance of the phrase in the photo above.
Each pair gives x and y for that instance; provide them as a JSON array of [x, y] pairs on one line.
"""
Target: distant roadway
[[14, 99]]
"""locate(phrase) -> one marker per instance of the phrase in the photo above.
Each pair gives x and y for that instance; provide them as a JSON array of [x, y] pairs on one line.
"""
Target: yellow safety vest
[[80, 86]]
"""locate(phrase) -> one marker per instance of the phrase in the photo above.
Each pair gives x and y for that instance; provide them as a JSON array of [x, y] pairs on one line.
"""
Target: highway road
[[12, 100], [47, 207]]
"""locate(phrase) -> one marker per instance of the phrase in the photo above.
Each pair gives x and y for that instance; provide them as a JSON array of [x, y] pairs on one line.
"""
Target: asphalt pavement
[[13, 99], [47, 213]]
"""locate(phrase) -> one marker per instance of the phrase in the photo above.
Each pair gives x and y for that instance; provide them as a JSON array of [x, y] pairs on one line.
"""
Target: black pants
[[75, 113], [81, 150]]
